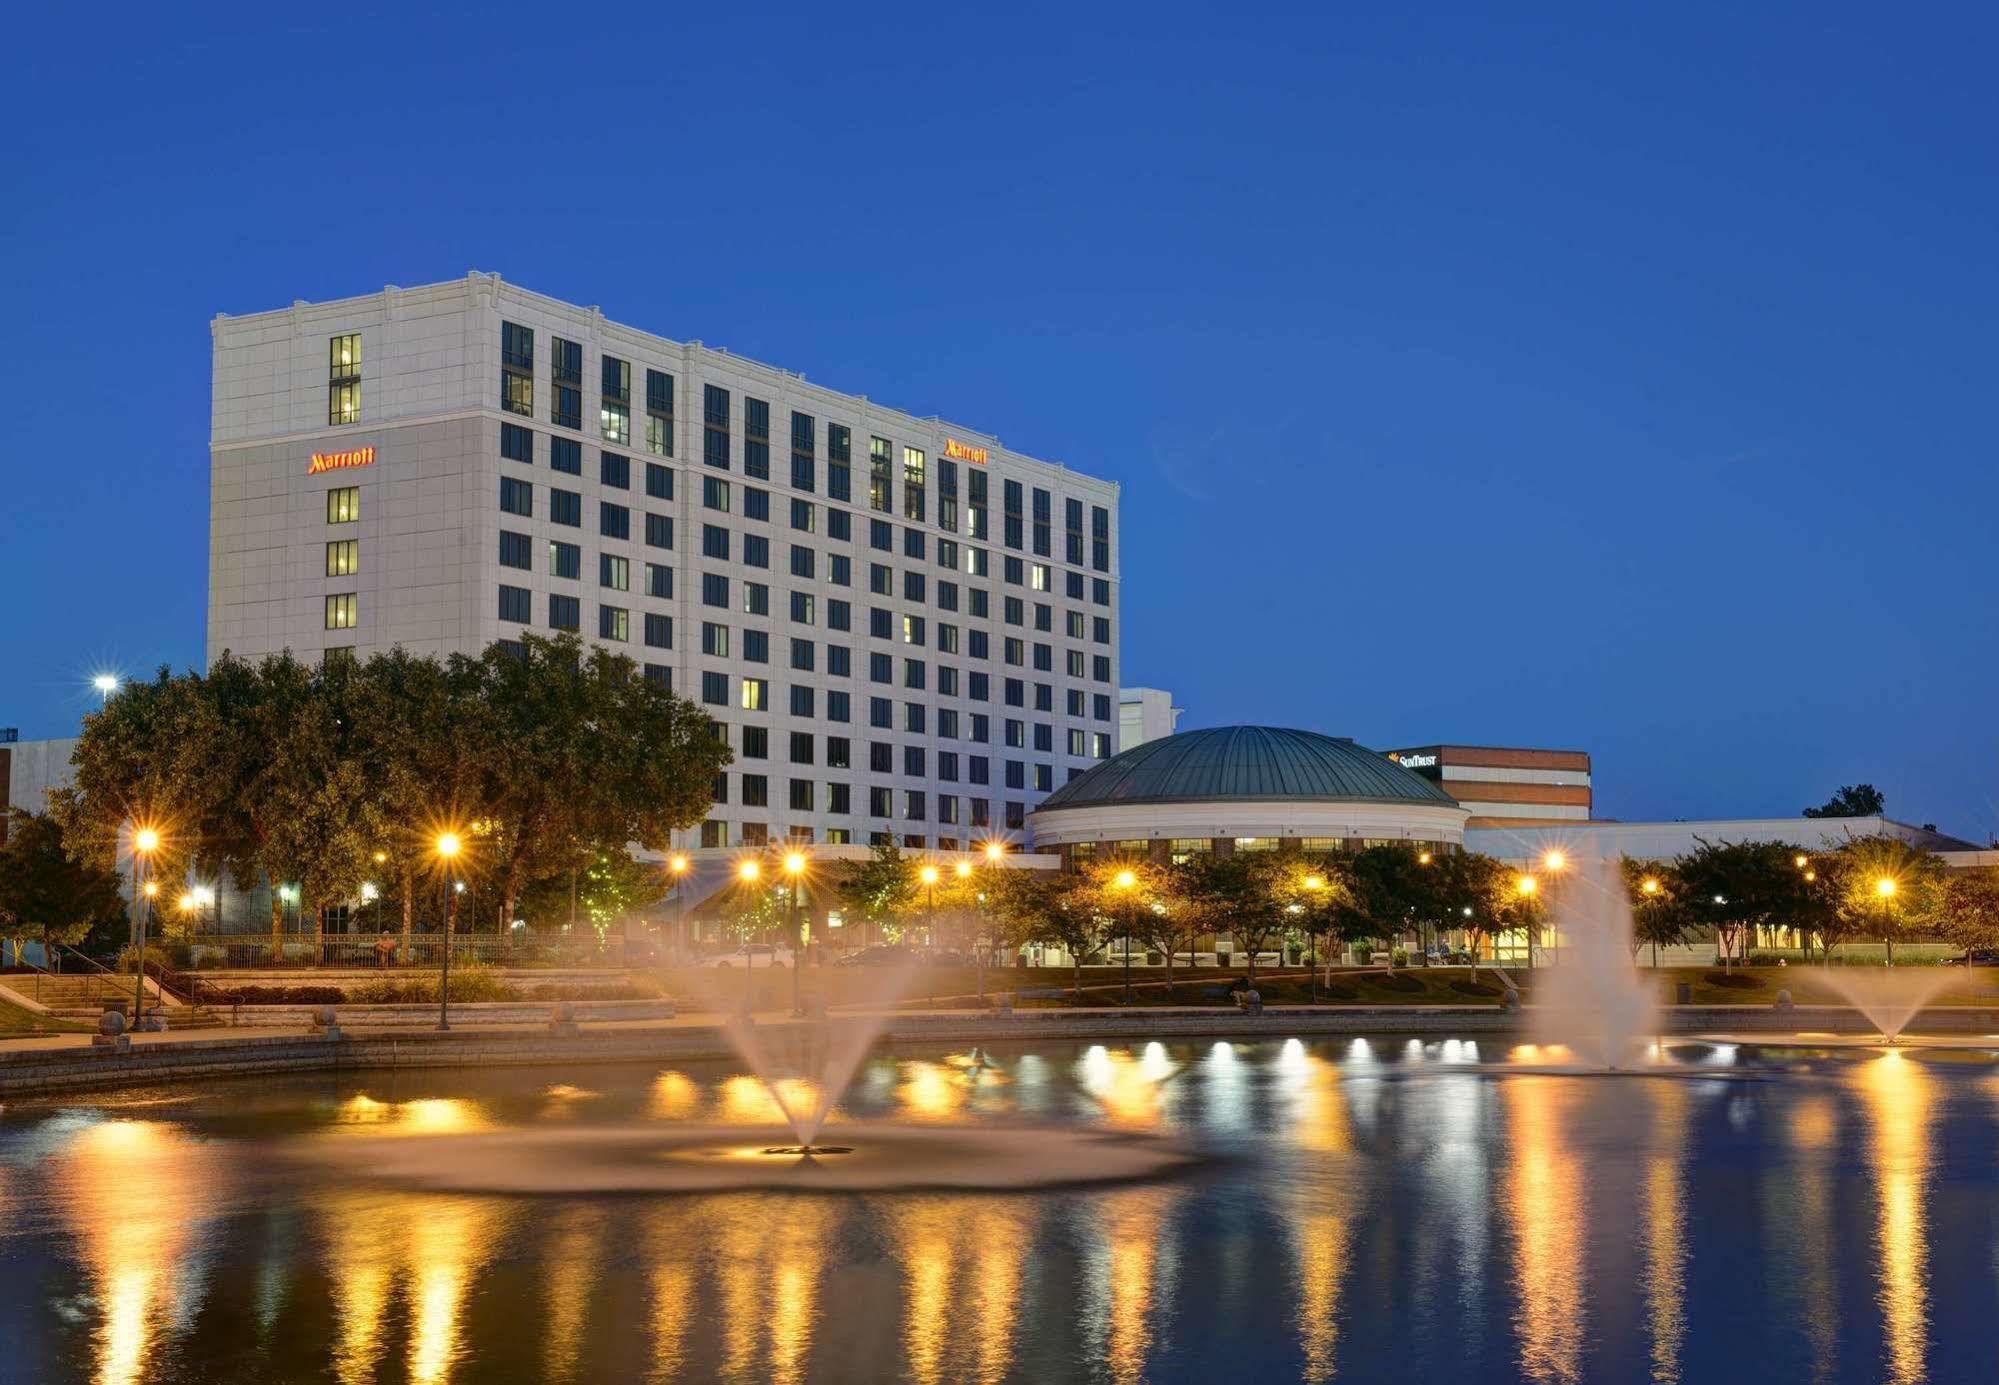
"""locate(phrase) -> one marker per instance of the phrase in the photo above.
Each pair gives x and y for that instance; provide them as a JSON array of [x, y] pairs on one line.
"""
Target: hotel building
[[1506, 786], [905, 630]]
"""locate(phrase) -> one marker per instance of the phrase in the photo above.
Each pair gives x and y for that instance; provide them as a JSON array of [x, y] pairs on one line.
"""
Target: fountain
[[1889, 997], [1594, 1001], [804, 1065]]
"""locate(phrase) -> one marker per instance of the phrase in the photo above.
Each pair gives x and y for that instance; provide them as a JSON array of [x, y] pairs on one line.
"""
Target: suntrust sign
[[340, 461]]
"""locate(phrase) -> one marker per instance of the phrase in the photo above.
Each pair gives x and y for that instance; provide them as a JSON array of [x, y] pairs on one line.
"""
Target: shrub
[[471, 982], [1400, 956], [275, 995], [155, 957], [1363, 954]]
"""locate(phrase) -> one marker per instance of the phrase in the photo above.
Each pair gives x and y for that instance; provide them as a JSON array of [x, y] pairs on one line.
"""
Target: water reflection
[[961, 1261], [1800, 1201], [1545, 1195], [769, 1255], [1130, 1091], [135, 1193], [574, 1251], [1897, 1096], [1130, 1268], [363, 1255], [1319, 1206], [449, 1242], [1665, 1209]]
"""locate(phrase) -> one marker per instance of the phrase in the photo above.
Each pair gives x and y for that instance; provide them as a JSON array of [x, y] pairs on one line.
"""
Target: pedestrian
[[385, 949]]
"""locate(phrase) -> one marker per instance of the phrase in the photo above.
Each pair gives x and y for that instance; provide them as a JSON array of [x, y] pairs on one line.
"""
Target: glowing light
[[380, 857], [106, 683], [748, 870], [369, 894], [1885, 887], [152, 889], [678, 865], [794, 863], [1650, 886], [146, 839], [1526, 884], [204, 895], [186, 900], [1423, 859], [1554, 860], [1811, 875], [963, 870], [1799, 860], [1124, 880], [1318, 882], [448, 845], [994, 850], [928, 875]]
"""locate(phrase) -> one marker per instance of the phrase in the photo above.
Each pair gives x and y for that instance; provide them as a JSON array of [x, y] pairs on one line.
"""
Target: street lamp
[[145, 841], [676, 865], [1123, 882], [1650, 886], [448, 846], [1526, 887], [106, 684], [794, 871]]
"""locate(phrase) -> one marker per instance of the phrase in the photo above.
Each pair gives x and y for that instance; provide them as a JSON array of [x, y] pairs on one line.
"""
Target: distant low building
[[1506, 785], [29, 769], [1145, 714], [1530, 844]]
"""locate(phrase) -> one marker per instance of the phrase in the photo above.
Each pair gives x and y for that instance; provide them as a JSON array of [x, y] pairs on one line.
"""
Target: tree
[[1852, 801], [1316, 895], [1888, 889], [1240, 892], [46, 892], [1736, 887], [1968, 907], [611, 886], [1659, 914], [1482, 895], [1390, 886], [1054, 907], [881, 889]]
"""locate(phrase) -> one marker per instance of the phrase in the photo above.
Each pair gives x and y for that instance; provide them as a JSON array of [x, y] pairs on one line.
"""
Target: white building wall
[[1662, 841], [36, 767], [1145, 714]]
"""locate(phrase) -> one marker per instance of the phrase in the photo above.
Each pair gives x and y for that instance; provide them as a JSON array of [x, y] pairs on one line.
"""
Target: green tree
[[1852, 801], [1481, 895], [1390, 889], [612, 886], [1888, 889], [47, 893], [1054, 907], [1968, 907], [882, 890], [1737, 887], [1243, 893], [1659, 914]]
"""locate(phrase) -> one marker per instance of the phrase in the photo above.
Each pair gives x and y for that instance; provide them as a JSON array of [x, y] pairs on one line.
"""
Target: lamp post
[[749, 872], [1315, 882], [106, 684], [1884, 891], [448, 847], [1124, 882], [1526, 887], [145, 841], [794, 872], [928, 875], [676, 866], [963, 871], [1554, 863]]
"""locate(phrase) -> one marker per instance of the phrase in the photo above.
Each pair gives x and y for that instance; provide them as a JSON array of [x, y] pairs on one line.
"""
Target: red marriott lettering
[[964, 452], [340, 461]]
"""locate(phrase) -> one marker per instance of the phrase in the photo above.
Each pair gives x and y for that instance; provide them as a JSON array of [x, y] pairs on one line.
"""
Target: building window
[[516, 550], [912, 483], [756, 694], [343, 379], [714, 640], [614, 623], [565, 455], [614, 572], [614, 404], [1100, 542], [659, 413], [565, 507], [659, 531], [516, 604], [659, 581], [343, 557], [715, 426], [614, 470], [516, 496], [715, 689], [659, 630], [659, 481], [756, 438], [564, 559], [880, 478], [517, 368], [564, 613], [839, 461], [343, 506], [714, 590], [613, 521], [342, 611], [659, 675], [517, 443]]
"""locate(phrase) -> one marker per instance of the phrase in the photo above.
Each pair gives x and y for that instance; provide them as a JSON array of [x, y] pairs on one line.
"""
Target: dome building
[[1243, 788]]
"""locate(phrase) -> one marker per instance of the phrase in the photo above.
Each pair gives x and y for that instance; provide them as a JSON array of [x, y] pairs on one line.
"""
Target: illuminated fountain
[[1594, 1002], [1890, 998]]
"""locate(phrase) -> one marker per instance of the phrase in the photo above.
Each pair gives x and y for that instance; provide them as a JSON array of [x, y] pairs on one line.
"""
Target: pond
[[1363, 1210]]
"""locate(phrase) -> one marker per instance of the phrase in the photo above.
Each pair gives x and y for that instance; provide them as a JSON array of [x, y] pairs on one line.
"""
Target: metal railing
[[349, 951]]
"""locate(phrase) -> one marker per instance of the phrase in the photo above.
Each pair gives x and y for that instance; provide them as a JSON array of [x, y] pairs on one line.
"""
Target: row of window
[[517, 359], [715, 832], [917, 805]]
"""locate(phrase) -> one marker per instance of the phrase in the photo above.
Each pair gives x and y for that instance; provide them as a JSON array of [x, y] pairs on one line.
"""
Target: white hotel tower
[[907, 631]]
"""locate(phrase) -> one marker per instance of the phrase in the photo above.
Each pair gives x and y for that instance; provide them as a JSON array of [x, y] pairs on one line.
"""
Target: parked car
[[1976, 957], [879, 955], [749, 955]]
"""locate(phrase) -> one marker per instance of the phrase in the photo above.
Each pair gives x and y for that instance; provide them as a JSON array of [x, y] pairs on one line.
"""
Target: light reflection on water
[[1383, 1203]]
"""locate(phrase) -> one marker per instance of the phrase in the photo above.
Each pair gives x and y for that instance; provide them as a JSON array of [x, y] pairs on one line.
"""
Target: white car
[[753, 955]]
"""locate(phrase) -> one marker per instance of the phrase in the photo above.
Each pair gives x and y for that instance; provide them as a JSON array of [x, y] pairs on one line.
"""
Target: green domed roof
[[1250, 763]]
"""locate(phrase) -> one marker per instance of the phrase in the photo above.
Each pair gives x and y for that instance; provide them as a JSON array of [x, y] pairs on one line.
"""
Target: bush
[[1399, 957], [471, 983], [275, 995], [155, 957], [1363, 954]]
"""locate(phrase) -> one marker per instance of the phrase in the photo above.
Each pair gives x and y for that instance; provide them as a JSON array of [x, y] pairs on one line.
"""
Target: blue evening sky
[[1531, 375]]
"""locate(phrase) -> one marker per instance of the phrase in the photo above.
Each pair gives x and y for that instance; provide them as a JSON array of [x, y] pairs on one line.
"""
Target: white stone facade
[[1145, 714], [427, 570]]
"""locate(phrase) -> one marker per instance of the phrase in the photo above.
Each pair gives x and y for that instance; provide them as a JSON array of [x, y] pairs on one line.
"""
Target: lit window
[[1038, 573], [343, 612], [343, 379], [756, 694], [343, 506], [342, 557]]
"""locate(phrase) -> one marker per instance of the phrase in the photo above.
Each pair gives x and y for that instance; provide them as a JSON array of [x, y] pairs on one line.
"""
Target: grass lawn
[[17, 1023]]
